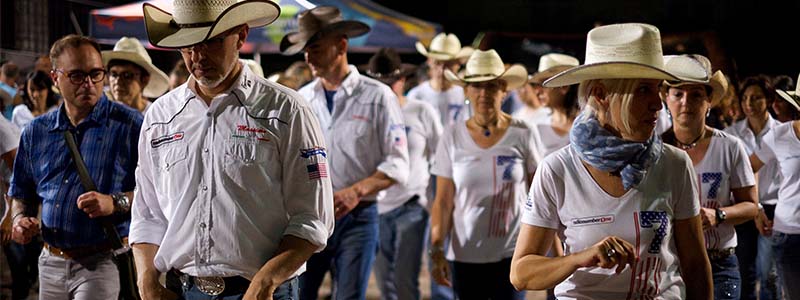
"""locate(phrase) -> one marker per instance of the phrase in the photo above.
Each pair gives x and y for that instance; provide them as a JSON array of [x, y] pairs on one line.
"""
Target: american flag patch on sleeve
[[317, 171]]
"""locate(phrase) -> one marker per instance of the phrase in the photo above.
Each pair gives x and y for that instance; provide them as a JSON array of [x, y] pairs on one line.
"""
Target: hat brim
[[159, 81], [515, 76], [790, 97], [163, 32], [717, 82], [405, 71], [294, 42], [540, 77], [608, 70], [463, 53]]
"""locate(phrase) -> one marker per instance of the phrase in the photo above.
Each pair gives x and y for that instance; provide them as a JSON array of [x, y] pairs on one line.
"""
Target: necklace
[[692, 144], [486, 131]]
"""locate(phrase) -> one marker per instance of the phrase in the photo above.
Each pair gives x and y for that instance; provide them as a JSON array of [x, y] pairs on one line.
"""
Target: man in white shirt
[[232, 191], [364, 126]]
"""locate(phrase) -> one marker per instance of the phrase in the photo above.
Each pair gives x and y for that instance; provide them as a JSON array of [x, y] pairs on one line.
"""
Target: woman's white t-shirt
[[725, 166], [450, 104], [551, 140], [782, 144], [565, 197], [491, 186], [422, 133]]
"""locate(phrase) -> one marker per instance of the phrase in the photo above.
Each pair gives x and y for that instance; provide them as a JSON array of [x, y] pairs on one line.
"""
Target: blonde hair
[[616, 90]]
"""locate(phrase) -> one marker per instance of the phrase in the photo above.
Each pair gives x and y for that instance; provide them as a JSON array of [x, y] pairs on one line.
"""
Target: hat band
[[192, 25], [431, 51], [480, 75], [382, 75]]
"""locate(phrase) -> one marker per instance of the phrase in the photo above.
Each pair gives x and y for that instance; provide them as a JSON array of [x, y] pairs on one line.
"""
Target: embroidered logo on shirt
[[360, 117], [593, 220], [317, 171], [159, 141], [246, 132], [307, 153]]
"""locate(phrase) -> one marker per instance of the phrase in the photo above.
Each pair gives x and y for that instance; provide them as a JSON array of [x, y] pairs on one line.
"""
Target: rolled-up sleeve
[[306, 182], [148, 223], [395, 143]]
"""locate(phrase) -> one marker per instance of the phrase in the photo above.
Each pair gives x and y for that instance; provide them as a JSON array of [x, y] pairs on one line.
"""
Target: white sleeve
[[9, 136], [148, 222], [767, 153], [547, 191], [742, 172], [443, 158], [395, 143], [686, 196], [308, 202]]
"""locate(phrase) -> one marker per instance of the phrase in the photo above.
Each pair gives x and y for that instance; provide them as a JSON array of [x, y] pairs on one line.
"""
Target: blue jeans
[[767, 271], [286, 291], [399, 258], [727, 283], [349, 256], [787, 256]]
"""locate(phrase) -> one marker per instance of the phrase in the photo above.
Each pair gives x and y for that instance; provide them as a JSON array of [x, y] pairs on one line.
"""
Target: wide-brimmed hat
[[387, 67], [195, 21], [485, 66], [793, 97], [552, 64], [618, 51], [444, 47], [685, 68], [130, 49], [317, 23]]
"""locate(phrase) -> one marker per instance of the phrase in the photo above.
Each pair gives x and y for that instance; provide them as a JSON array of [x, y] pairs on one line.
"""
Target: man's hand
[[5, 231], [261, 288], [24, 229], [763, 224], [344, 201], [96, 204], [155, 291], [709, 217]]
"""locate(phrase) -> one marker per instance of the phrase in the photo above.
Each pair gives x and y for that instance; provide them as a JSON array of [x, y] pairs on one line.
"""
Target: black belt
[[212, 286], [720, 253]]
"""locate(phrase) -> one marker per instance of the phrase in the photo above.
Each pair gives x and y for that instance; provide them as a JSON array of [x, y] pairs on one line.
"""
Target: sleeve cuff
[[400, 176], [146, 232], [310, 229], [535, 221]]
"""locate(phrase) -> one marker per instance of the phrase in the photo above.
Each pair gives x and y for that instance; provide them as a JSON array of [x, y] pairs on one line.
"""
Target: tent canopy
[[388, 28]]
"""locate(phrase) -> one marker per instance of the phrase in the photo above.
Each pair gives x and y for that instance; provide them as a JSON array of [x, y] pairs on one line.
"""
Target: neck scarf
[[603, 150]]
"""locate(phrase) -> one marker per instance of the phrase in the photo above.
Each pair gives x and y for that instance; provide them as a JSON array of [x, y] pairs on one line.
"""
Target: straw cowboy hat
[[485, 66], [317, 23], [678, 65], [793, 97], [130, 49], [620, 51], [552, 64], [387, 67], [444, 47], [195, 21]]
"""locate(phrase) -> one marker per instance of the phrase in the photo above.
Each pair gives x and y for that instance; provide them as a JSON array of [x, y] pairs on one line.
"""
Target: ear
[[54, 76], [342, 46], [242, 36]]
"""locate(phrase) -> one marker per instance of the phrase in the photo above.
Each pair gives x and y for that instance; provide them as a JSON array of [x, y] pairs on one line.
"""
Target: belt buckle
[[212, 286]]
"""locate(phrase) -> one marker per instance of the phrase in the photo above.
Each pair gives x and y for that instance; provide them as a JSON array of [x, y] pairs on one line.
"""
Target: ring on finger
[[611, 252]]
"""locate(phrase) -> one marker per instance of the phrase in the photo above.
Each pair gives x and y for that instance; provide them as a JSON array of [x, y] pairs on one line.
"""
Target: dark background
[[741, 37]]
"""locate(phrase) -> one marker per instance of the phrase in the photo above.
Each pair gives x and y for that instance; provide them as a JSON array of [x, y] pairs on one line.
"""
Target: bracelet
[[14, 217], [433, 250]]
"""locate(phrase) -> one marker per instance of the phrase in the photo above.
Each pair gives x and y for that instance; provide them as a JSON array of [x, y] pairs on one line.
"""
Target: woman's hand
[[610, 252], [441, 269]]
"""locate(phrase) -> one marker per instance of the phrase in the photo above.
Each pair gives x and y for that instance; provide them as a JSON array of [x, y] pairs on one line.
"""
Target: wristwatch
[[721, 216], [121, 202], [435, 250]]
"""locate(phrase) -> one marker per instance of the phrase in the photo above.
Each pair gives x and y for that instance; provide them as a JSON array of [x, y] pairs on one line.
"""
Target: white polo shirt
[[769, 177], [450, 104], [365, 132], [781, 144], [218, 187]]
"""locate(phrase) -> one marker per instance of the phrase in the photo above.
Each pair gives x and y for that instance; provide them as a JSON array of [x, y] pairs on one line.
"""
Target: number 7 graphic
[[715, 178]]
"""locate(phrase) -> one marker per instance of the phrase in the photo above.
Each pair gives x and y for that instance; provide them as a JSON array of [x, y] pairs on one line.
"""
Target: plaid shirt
[[45, 173]]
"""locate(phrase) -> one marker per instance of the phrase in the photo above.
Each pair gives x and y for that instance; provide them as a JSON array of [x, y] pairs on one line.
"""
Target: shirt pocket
[[172, 170], [356, 135], [251, 165]]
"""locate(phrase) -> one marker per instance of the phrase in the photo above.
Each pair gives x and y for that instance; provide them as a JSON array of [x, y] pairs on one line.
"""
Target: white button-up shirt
[[365, 132], [218, 187], [769, 177]]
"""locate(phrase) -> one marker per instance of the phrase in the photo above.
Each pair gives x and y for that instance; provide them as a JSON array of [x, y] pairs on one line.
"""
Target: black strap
[[89, 186]]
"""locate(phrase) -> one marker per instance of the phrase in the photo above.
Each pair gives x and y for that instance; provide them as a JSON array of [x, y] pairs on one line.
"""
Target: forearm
[[536, 272], [144, 255], [740, 212], [694, 263], [441, 220], [18, 208], [373, 184], [292, 253]]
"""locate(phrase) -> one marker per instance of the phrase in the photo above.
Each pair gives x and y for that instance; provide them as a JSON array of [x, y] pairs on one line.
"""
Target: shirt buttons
[[205, 187], [66, 180], [205, 150], [202, 260], [202, 225]]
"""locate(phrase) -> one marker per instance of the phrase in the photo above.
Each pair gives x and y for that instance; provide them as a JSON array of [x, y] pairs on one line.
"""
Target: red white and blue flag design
[[317, 171]]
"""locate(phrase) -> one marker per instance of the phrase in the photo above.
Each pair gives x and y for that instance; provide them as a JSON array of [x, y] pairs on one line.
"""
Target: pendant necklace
[[691, 144]]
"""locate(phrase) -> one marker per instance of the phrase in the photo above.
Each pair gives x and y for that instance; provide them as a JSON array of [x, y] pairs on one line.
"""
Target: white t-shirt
[[551, 140], [490, 188], [725, 166], [9, 140], [21, 116], [664, 120], [450, 103], [769, 177], [564, 197], [533, 116], [781, 144], [422, 131]]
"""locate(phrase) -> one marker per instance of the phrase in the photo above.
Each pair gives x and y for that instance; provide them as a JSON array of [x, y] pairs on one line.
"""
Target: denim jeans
[[484, 281], [93, 277], [23, 264], [727, 283], [286, 291], [400, 246], [348, 255], [786, 248], [767, 271], [746, 252]]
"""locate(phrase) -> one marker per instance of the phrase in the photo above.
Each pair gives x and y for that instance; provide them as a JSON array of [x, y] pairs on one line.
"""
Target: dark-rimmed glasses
[[78, 77]]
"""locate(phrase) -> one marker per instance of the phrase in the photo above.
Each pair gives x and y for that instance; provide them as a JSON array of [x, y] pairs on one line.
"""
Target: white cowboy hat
[[618, 51], [552, 64], [793, 97], [485, 66], [444, 47], [316, 23], [130, 49], [195, 21], [685, 67]]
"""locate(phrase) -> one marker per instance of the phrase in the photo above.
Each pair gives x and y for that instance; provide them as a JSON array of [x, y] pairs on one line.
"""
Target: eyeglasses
[[79, 77], [210, 44], [124, 75]]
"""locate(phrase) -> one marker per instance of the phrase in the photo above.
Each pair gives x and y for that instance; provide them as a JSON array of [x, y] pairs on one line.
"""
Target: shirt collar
[[98, 115], [244, 84], [348, 85]]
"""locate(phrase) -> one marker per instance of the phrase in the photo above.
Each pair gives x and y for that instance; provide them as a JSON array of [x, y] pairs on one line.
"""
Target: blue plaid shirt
[[45, 173]]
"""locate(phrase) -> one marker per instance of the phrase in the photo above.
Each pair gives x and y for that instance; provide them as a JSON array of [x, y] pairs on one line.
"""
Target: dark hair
[[122, 62], [70, 41], [783, 82], [10, 69], [571, 101], [761, 81], [40, 80]]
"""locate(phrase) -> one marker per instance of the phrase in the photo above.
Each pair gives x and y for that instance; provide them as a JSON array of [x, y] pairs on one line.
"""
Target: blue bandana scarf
[[603, 150]]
